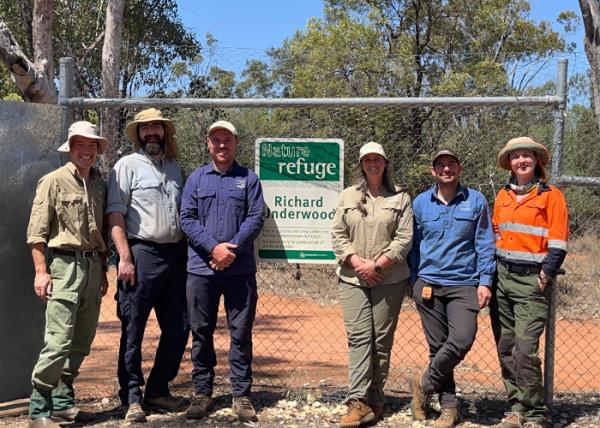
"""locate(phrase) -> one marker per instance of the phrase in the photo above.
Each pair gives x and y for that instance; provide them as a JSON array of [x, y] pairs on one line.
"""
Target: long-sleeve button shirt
[[148, 194], [68, 214], [533, 230], [453, 244], [386, 229], [221, 207]]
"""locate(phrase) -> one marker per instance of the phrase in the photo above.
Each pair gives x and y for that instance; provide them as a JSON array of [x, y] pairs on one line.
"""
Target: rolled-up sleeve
[[119, 188], [402, 239], [42, 212], [342, 246]]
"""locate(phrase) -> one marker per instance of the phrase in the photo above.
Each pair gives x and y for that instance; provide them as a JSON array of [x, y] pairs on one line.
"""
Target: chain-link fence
[[299, 338]]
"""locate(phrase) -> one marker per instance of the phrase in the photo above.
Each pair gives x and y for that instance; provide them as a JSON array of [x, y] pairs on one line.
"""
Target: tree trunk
[[34, 79], [590, 11], [111, 59]]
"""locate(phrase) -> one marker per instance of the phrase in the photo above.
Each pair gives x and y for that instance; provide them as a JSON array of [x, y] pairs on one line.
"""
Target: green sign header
[[299, 161]]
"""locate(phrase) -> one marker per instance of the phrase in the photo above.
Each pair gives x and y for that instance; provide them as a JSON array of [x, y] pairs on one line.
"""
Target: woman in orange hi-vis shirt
[[532, 226]]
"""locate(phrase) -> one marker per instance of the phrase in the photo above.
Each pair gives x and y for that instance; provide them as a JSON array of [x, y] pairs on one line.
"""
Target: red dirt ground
[[298, 343]]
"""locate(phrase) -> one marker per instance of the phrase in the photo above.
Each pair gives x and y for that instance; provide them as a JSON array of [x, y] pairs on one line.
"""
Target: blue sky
[[261, 24]]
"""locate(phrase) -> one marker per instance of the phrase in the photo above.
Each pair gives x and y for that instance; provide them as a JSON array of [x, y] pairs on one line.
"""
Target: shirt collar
[[213, 170], [461, 191], [75, 172], [150, 158]]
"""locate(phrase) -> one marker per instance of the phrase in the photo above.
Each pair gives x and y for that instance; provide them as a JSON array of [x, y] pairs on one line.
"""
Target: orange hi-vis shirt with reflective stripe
[[525, 230]]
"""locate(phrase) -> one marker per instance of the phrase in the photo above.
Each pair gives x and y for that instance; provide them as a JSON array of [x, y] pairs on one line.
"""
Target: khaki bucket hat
[[153, 115], [84, 128], [522, 143]]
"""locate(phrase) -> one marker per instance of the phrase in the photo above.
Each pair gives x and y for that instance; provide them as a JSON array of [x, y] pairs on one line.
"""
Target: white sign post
[[301, 180]]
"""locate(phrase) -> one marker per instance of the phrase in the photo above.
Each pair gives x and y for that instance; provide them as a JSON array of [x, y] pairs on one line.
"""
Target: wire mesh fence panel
[[299, 337]]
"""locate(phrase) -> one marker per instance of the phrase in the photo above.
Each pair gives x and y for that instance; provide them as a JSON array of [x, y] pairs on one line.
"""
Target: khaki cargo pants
[[370, 317], [71, 320]]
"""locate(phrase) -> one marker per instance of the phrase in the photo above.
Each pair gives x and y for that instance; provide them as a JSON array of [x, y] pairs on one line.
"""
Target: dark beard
[[155, 147]]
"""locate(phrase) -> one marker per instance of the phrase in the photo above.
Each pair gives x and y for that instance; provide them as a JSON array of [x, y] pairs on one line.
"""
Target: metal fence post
[[557, 151], [65, 91]]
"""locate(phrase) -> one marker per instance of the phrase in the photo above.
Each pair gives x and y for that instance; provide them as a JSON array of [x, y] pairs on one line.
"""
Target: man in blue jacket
[[452, 265], [221, 215]]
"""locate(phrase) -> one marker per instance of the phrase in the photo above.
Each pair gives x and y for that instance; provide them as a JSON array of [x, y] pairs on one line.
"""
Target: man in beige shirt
[[66, 224]]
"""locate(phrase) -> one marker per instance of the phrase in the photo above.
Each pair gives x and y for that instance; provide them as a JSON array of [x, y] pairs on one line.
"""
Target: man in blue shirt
[[221, 215], [452, 265]]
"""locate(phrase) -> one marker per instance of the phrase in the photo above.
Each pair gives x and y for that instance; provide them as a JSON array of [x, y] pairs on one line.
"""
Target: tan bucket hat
[[522, 143], [371, 148], [84, 128], [153, 115], [221, 124]]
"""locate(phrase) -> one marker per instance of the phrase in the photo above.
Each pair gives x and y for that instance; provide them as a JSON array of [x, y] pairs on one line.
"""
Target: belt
[[521, 269], [86, 254]]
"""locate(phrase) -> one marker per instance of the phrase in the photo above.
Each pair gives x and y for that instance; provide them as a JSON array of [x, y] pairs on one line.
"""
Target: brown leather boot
[[418, 405], [449, 418], [359, 413]]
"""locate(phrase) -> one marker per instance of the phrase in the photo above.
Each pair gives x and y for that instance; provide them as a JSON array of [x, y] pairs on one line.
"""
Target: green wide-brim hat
[[153, 115], [522, 143]]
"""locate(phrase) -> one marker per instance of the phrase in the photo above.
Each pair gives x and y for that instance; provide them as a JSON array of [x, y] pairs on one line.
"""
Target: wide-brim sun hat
[[153, 115], [371, 148], [83, 128], [222, 124], [522, 143]]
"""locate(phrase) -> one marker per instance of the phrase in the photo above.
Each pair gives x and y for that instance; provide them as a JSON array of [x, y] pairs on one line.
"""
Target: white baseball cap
[[369, 148]]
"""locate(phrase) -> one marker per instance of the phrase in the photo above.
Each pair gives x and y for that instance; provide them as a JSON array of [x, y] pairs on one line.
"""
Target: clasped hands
[[222, 256], [365, 269]]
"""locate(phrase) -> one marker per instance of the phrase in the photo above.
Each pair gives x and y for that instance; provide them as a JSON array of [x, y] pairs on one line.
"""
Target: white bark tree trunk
[[33, 78], [111, 58], [590, 11]]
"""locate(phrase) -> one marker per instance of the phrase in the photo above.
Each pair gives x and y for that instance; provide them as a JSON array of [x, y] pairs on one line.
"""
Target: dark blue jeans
[[449, 320], [160, 284], [240, 297]]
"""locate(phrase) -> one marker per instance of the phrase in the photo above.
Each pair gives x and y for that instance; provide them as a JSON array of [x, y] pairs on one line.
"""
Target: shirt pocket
[[464, 223], [536, 212], [206, 198], [388, 216], [352, 215], [70, 209], [431, 224], [237, 202], [148, 190]]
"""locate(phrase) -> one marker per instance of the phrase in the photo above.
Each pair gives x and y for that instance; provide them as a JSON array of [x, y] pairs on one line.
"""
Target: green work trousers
[[71, 319], [519, 311], [370, 317]]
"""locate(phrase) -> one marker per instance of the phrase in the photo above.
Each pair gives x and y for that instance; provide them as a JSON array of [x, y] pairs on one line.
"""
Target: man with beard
[[144, 196], [452, 265]]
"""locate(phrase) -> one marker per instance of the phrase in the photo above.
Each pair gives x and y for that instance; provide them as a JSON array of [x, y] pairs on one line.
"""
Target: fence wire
[[299, 337]]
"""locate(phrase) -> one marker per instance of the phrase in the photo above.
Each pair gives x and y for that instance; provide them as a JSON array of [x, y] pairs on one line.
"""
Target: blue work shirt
[[221, 207], [452, 244]]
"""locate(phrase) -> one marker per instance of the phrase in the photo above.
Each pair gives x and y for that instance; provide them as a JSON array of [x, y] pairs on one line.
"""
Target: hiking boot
[[511, 420], [534, 425], [377, 410], [449, 418], [358, 413], [418, 405], [166, 404], [200, 407], [43, 423], [73, 414], [135, 413], [242, 407]]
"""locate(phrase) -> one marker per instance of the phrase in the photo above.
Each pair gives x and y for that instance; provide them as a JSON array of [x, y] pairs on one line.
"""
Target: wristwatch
[[378, 268]]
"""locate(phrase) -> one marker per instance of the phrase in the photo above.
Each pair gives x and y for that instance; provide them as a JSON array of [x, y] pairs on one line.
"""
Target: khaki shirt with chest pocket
[[386, 229]]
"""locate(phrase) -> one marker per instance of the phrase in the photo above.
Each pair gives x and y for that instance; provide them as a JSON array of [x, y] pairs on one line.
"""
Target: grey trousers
[[449, 321], [370, 317]]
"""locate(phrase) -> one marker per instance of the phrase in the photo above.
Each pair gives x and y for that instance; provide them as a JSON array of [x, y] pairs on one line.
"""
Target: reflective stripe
[[498, 236], [523, 228], [521, 255], [557, 243]]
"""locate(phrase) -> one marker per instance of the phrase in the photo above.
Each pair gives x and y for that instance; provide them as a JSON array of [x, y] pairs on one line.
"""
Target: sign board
[[301, 180]]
